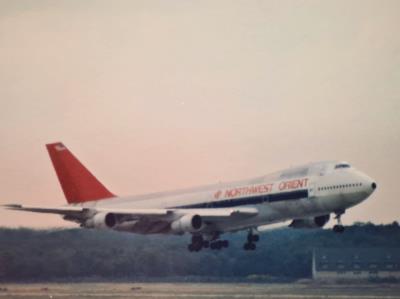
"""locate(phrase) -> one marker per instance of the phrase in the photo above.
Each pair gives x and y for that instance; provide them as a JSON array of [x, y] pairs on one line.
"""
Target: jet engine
[[313, 222], [187, 224], [101, 220]]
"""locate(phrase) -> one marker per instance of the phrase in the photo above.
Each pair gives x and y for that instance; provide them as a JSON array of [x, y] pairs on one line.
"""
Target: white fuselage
[[311, 190]]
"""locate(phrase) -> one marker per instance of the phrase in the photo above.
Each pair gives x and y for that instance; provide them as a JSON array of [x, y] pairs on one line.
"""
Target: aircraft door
[[311, 190]]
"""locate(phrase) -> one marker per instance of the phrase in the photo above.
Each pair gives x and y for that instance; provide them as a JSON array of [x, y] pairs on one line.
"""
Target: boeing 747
[[306, 195]]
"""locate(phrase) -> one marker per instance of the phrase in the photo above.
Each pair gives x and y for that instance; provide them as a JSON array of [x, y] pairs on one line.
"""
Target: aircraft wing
[[79, 211], [73, 210]]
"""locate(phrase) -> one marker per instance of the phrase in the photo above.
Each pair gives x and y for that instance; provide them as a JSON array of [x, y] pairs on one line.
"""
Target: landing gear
[[219, 244], [198, 243], [249, 246], [251, 240], [339, 228]]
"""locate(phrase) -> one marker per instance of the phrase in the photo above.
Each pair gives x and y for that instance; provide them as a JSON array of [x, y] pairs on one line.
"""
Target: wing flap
[[136, 212], [220, 212]]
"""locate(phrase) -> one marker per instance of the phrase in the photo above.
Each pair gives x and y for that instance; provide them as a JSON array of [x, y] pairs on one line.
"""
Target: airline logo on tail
[[60, 147]]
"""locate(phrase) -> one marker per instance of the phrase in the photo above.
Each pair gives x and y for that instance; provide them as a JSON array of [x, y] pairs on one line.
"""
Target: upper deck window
[[342, 165], [294, 172]]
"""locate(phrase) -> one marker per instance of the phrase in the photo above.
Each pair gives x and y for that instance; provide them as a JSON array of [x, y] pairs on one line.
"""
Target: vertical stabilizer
[[77, 183]]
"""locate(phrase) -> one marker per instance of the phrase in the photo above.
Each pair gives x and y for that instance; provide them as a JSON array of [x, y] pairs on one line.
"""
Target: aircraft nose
[[369, 184]]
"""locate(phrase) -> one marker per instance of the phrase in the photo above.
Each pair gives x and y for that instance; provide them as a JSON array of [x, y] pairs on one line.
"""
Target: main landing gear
[[219, 244], [198, 243], [251, 240], [339, 228]]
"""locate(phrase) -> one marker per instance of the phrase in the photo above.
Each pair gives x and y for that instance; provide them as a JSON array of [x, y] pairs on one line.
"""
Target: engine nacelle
[[315, 222], [320, 221], [187, 224], [101, 220]]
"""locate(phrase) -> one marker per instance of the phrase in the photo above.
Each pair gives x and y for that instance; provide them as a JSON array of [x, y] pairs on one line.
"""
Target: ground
[[197, 290]]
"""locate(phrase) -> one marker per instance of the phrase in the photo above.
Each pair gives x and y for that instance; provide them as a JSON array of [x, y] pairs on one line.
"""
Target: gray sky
[[155, 95]]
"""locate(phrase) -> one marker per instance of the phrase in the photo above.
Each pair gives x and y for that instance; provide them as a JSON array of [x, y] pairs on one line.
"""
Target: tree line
[[75, 254]]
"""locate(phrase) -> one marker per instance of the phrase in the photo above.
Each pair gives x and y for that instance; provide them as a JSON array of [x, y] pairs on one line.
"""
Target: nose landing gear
[[339, 228]]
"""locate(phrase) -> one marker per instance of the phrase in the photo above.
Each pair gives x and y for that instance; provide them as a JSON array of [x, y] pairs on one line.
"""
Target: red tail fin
[[78, 184]]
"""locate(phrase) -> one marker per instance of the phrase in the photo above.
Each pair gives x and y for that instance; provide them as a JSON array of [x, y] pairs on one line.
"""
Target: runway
[[197, 290]]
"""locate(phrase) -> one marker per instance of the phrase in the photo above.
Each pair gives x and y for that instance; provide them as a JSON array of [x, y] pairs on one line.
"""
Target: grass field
[[196, 290]]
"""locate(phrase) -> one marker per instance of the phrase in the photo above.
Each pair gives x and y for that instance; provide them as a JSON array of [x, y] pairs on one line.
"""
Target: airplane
[[305, 195]]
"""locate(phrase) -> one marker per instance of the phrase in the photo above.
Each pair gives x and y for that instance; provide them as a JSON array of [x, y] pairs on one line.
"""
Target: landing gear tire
[[338, 228], [251, 239], [218, 245], [225, 243], [249, 246], [213, 246], [197, 243], [256, 238]]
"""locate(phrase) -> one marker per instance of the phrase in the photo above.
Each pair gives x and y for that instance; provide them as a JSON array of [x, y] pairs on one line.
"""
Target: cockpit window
[[342, 165]]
